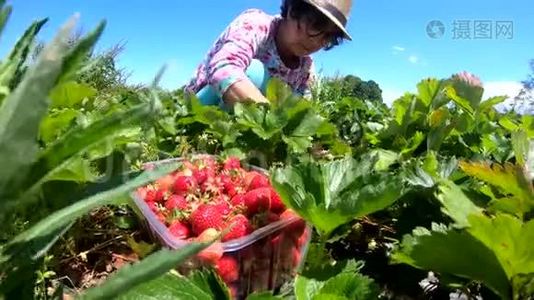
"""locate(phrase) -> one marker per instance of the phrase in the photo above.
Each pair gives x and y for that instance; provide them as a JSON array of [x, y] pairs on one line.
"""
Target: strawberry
[[161, 217], [232, 163], [263, 199], [153, 195], [296, 228], [176, 202], [200, 175], [240, 226], [165, 183], [207, 216], [258, 180], [213, 252], [153, 206], [141, 192], [277, 205], [228, 269], [257, 200], [184, 184], [238, 200], [179, 230]]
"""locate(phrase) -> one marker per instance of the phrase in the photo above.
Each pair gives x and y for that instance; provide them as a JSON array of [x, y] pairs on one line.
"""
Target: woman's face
[[304, 36]]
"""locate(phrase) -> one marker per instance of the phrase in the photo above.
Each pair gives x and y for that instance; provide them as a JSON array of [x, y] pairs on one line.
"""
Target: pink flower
[[469, 78]]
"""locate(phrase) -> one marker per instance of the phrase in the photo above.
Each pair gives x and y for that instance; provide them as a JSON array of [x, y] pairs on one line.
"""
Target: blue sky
[[390, 46]]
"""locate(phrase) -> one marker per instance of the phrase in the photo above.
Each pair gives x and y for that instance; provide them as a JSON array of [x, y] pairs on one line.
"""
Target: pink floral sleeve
[[234, 50]]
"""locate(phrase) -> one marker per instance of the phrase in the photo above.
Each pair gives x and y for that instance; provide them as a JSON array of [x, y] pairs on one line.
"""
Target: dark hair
[[301, 10]]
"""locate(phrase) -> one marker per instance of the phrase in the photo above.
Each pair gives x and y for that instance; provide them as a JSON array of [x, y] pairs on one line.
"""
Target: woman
[[257, 46]]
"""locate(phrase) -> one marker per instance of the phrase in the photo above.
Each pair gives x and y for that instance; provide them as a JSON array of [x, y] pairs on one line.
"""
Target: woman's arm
[[243, 90], [233, 53]]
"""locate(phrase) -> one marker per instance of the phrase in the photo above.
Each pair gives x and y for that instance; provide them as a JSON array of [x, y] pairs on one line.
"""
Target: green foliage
[[334, 193], [128, 278], [346, 283], [491, 249]]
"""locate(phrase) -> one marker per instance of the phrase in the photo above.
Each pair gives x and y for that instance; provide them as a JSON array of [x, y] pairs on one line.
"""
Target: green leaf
[[509, 179], [520, 144], [132, 279], [343, 282], [81, 139], [428, 89], [76, 169], [348, 286], [263, 296], [491, 102], [508, 124], [510, 240], [277, 91], [19, 125], [5, 13], [385, 158], [79, 52], [69, 94], [56, 122], [453, 252], [11, 68], [455, 204], [461, 102], [141, 248], [331, 194]]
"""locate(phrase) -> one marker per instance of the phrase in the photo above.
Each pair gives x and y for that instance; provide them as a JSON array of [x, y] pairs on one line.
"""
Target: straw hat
[[336, 10]]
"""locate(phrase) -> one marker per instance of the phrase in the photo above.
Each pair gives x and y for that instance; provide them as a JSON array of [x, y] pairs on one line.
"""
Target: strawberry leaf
[[508, 178], [456, 253], [329, 195], [510, 240], [344, 283]]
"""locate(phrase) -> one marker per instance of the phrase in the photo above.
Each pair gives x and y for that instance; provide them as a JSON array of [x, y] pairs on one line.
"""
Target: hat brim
[[332, 18]]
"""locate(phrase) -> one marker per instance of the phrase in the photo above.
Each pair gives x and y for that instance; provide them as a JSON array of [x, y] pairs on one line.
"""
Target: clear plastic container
[[267, 258]]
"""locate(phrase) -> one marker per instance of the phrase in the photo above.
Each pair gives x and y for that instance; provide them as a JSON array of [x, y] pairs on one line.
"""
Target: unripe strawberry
[[212, 253]]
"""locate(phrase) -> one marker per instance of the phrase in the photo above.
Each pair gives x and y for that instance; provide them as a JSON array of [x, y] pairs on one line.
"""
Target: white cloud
[[398, 48], [413, 59], [390, 95]]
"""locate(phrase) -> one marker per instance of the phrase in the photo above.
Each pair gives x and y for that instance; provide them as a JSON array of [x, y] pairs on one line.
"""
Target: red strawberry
[[207, 216], [184, 184], [232, 163], [200, 175], [257, 200], [277, 205], [263, 199], [150, 195], [258, 180], [238, 200], [179, 230], [240, 226], [215, 251], [152, 205], [176, 202], [228, 269], [296, 228]]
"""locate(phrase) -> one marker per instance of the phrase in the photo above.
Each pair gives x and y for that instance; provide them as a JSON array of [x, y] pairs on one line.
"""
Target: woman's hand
[[244, 90]]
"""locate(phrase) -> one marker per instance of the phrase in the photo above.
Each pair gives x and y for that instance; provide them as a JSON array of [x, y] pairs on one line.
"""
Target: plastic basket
[[267, 258]]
